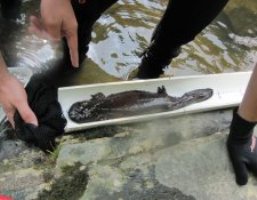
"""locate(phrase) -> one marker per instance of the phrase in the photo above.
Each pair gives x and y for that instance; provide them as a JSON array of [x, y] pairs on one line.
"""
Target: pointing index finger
[[72, 40]]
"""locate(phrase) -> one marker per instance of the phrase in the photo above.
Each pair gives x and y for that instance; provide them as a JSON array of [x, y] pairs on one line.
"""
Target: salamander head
[[86, 110], [198, 95], [82, 111]]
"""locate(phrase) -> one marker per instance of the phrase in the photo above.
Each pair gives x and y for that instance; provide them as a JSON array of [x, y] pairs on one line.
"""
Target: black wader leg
[[10, 8], [10, 11], [87, 14], [181, 22]]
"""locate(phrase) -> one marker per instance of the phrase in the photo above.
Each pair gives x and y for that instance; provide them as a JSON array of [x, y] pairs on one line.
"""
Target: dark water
[[228, 44]]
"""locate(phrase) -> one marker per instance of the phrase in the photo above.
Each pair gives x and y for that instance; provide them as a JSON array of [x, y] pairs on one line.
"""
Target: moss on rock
[[71, 185]]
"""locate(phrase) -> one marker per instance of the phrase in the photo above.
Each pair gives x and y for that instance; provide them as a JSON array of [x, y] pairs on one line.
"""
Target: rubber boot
[[9, 13], [157, 56], [87, 12], [85, 24], [154, 61], [84, 28], [84, 33], [181, 22], [241, 145]]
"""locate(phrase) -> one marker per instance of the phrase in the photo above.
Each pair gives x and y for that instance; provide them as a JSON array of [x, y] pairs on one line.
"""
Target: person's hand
[[13, 97], [242, 149], [243, 157], [58, 20]]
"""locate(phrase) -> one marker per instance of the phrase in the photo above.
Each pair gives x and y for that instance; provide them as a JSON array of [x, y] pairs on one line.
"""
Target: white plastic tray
[[228, 90]]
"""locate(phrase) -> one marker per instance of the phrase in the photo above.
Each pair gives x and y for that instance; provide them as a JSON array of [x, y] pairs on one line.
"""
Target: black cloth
[[241, 145], [43, 101]]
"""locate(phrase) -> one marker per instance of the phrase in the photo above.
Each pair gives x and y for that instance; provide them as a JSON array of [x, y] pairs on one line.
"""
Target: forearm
[[3, 67], [248, 107]]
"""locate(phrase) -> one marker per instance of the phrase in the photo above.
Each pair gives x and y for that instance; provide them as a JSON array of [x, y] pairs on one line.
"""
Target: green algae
[[71, 185]]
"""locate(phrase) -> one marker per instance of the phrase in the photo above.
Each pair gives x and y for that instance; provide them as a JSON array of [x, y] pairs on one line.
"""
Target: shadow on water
[[228, 44]]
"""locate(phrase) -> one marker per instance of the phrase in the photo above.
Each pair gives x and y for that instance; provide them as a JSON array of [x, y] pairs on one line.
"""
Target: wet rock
[[181, 158], [194, 169], [146, 137], [11, 148], [70, 185], [111, 183], [21, 184], [20, 173], [246, 24], [201, 168]]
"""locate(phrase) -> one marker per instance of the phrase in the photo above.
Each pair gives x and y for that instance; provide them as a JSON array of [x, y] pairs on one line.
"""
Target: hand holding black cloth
[[242, 148], [43, 101]]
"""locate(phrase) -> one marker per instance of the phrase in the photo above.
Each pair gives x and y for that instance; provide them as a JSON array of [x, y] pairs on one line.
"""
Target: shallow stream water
[[228, 44], [122, 33]]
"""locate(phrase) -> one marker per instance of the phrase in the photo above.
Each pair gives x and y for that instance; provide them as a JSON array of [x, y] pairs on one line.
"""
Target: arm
[[13, 96], [248, 107], [3, 68], [241, 143]]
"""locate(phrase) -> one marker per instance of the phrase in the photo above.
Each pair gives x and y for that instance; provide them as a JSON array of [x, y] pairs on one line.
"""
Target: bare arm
[[248, 107], [3, 68]]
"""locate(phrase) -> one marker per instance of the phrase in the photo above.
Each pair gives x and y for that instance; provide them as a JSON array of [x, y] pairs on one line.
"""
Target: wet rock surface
[[203, 162], [182, 158], [134, 184]]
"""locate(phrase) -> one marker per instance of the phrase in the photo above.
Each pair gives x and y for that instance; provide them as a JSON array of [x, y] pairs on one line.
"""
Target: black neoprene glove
[[241, 145]]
